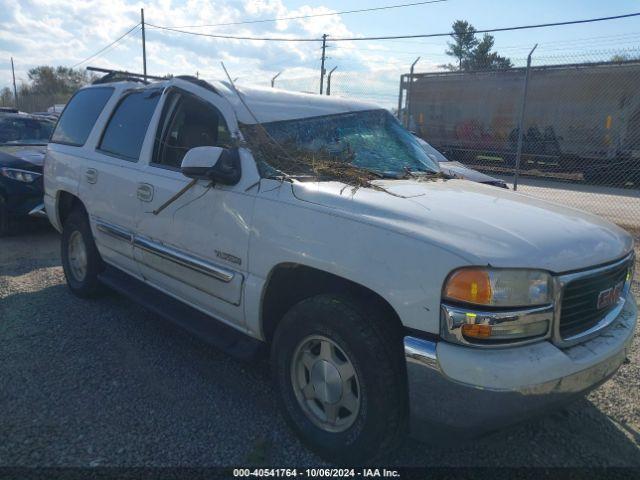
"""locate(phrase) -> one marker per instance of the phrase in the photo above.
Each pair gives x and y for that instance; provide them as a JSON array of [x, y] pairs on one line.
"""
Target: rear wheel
[[338, 368], [81, 261]]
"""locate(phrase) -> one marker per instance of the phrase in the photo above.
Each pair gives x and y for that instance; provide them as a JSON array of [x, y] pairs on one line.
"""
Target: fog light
[[476, 331], [503, 332]]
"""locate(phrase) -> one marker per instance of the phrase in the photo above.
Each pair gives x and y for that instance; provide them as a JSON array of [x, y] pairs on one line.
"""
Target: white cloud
[[59, 32]]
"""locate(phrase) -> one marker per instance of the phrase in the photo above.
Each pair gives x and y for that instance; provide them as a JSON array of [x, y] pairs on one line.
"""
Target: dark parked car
[[458, 170], [23, 140]]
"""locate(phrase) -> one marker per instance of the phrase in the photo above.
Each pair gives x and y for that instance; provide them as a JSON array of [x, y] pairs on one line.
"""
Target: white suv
[[391, 299]]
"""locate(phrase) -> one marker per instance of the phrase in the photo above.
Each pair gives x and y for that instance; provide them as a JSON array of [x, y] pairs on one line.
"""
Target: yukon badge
[[228, 257]]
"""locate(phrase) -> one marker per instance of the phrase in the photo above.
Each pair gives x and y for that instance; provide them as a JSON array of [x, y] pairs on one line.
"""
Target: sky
[[63, 32]]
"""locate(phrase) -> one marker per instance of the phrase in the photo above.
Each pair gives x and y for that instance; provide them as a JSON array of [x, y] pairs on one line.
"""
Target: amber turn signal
[[476, 331], [469, 285]]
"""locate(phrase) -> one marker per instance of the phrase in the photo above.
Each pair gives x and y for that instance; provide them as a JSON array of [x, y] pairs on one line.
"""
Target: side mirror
[[218, 164]]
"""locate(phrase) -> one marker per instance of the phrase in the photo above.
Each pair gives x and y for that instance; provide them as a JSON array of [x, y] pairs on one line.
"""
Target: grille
[[580, 309]]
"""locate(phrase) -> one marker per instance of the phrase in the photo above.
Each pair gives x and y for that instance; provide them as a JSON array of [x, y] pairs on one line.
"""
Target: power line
[[300, 17], [490, 30], [108, 46], [526, 47], [393, 37]]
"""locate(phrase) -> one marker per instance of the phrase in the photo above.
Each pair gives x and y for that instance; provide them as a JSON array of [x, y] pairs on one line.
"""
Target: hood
[[482, 224], [31, 158], [458, 170]]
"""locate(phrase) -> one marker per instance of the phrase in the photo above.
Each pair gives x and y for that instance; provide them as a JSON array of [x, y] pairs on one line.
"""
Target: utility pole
[[329, 80], [144, 46], [15, 90], [324, 47]]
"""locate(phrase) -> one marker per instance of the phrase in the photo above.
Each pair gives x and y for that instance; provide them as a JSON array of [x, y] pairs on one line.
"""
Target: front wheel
[[81, 261], [338, 368]]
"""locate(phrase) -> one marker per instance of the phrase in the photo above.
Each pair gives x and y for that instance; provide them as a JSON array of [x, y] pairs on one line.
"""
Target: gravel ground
[[105, 382]]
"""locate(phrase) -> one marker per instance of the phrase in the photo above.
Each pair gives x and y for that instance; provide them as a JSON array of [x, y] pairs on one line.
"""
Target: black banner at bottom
[[206, 473]]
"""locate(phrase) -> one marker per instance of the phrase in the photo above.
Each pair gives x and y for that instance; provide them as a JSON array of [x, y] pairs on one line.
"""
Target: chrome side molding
[[168, 253], [183, 259], [114, 231]]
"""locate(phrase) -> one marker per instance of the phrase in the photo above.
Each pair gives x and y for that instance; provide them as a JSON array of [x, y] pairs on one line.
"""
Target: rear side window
[[80, 114], [128, 125]]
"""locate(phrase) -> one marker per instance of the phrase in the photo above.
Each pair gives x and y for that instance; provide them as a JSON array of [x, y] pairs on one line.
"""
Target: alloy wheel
[[325, 383]]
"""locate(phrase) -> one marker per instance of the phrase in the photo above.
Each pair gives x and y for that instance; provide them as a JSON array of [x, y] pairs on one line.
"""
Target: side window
[[127, 127], [79, 116], [187, 123]]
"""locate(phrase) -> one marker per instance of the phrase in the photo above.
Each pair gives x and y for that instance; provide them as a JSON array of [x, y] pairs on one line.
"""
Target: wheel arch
[[65, 203], [289, 283]]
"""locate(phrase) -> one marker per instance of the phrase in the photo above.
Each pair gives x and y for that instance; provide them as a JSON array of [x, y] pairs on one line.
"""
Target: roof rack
[[121, 75], [198, 81]]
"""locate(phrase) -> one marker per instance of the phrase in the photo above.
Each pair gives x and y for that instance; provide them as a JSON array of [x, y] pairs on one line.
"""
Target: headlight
[[484, 306], [20, 175], [499, 288]]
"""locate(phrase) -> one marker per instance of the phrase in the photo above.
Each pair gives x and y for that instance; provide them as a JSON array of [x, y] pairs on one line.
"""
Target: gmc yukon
[[390, 298]]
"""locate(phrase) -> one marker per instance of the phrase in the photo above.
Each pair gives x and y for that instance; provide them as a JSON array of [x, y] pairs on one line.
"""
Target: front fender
[[405, 271]]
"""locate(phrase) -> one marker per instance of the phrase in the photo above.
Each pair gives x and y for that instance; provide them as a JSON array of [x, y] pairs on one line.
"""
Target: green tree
[[464, 41], [471, 53], [55, 80], [482, 58]]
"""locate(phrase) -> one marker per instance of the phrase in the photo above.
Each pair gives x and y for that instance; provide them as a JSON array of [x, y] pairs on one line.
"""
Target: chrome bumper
[[467, 391]]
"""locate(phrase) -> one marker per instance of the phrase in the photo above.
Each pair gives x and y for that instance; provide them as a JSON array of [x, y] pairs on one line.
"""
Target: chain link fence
[[578, 125], [570, 133], [31, 103]]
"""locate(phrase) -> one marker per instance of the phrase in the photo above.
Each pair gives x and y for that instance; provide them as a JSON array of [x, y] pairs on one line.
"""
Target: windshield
[[433, 154], [15, 130], [370, 140]]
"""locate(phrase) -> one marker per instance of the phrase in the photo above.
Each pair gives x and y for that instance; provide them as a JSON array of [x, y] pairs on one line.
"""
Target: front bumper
[[21, 198], [467, 391]]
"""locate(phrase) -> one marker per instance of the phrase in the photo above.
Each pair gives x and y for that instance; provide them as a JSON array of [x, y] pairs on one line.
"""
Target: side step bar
[[212, 331]]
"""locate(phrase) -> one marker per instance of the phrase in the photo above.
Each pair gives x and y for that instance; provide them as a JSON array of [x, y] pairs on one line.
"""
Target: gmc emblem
[[610, 296]]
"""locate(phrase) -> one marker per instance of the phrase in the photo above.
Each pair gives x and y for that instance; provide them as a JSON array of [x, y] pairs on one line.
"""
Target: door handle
[[145, 192], [91, 175]]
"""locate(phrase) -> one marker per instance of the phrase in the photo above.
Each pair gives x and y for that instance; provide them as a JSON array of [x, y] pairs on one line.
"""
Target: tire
[[4, 217], [81, 261], [361, 337]]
